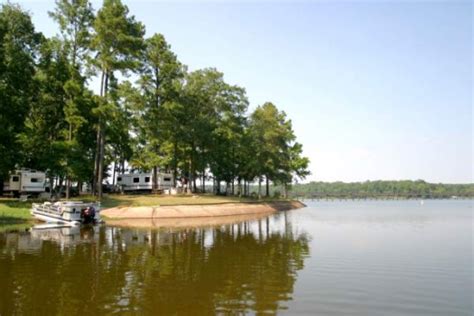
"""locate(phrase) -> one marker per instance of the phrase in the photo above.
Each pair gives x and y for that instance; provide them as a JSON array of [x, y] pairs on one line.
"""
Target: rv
[[130, 182], [25, 181]]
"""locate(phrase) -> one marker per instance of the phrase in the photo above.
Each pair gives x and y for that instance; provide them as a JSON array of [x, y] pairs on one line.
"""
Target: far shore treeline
[[150, 113], [381, 189]]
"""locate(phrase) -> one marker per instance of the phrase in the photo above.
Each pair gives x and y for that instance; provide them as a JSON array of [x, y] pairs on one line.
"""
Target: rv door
[[13, 184]]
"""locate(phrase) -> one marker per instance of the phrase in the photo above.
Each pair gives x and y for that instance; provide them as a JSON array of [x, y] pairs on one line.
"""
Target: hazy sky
[[375, 90]]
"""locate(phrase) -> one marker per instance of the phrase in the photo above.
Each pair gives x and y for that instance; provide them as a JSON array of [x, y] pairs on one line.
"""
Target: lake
[[331, 258]]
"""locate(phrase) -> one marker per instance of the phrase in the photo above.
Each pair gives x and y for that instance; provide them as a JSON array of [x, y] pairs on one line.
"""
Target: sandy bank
[[185, 222], [203, 210]]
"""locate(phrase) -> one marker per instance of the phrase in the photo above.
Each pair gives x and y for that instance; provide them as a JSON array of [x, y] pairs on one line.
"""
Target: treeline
[[193, 124], [382, 189]]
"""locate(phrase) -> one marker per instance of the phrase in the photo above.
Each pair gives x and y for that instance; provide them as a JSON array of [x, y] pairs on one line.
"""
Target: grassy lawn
[[13, 211], [114, 200]]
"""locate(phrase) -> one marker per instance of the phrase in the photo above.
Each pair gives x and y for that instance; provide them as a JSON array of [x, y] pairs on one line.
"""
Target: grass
[[13, 211], [114, 200]]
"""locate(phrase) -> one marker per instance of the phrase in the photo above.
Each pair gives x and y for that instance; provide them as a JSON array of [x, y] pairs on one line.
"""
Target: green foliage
[[118, 38], [158, 82], [75, 18], [118, 43], [387, 189], [13, 211], [277, 155], [45, 127], [193, 124], [18, 49]]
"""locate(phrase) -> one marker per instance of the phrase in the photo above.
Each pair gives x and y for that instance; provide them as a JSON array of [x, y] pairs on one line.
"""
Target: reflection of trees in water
[[238, 267]]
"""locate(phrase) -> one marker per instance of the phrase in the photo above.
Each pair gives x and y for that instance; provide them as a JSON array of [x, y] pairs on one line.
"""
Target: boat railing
[[47, 208], [59, 209]]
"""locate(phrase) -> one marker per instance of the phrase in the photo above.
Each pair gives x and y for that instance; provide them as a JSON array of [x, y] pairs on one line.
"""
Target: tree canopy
[[163, 118], [382, 189]]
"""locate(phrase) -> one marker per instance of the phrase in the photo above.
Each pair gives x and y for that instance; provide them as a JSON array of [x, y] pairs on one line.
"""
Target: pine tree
[[75, 20], [118, 43]]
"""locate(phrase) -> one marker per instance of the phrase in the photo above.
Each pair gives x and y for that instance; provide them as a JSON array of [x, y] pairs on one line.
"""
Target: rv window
[[15, 178], [34, 180], [119, 179], [147, 179], [136, 180], [167, 179]]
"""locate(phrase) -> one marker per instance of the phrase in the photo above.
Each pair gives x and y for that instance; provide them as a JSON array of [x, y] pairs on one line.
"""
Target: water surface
[[353, 258]]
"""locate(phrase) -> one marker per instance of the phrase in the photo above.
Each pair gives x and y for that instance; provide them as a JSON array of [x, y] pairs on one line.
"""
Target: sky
[[374, 89]]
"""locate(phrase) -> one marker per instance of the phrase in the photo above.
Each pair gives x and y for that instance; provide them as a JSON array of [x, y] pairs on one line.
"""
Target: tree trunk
[[203, 181], [259, 188], [192, 169], [102, 140], [101, 165], [96, 162], [97, 147], [68, 176], [60, 185], [155, 179], [239, 187], [79, 187], [175, 163], [113, 175], [267, 186], [68, 187]]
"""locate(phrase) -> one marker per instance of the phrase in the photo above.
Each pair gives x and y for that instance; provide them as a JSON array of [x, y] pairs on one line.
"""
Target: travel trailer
[[25, 181], [130, 182]]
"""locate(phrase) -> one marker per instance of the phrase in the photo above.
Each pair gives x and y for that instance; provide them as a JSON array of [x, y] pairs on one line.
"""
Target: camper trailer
[[136, 182], [25, 181]]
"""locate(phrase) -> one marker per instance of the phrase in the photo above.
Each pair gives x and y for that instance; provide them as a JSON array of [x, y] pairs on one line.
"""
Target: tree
[[122, 124], [18, 49], [75, 18], [159, 73], [228, 135], [118, 43], [278, 156], [296, 167], [45, 133], [75, 22], [215, 112]]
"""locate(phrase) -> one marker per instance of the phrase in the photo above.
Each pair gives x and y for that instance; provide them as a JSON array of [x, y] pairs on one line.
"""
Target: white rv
[[143, 181], [25, 181]]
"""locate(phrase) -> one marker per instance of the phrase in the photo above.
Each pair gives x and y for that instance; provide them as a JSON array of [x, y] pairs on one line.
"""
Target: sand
[[202, 210]]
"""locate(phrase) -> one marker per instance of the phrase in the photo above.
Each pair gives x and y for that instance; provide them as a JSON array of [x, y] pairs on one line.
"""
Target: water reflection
[[249, 266]]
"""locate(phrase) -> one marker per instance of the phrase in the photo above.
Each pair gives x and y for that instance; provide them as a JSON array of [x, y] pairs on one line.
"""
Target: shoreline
[[185, 222], [199, 210]]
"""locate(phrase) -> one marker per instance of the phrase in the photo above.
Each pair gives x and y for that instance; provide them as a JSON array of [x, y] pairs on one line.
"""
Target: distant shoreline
[[389, 198], [383, 189]]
